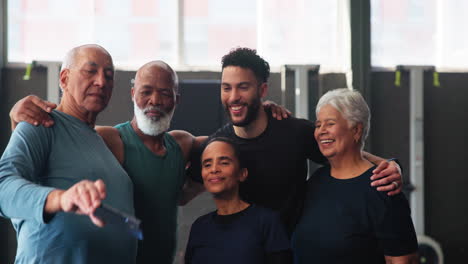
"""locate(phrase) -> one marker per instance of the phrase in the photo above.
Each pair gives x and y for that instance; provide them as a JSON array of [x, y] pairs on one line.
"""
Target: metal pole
[[301, 89], [53, 86], [301, 92], [180, 33], [417, 143], [283, 85], [429, 249]]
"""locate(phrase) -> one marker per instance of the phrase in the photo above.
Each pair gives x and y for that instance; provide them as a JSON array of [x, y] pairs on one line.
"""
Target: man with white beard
[[153, 158]]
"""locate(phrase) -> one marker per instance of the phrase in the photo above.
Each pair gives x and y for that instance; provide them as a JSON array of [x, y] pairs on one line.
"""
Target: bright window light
[[136, 31], [420, 32]]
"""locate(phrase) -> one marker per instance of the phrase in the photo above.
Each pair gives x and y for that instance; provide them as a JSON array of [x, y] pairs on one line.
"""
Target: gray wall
[[445, 150]]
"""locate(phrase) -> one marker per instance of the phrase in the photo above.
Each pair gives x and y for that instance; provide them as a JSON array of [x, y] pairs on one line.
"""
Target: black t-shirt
[[245, 237], [349, 221], [277, 165]]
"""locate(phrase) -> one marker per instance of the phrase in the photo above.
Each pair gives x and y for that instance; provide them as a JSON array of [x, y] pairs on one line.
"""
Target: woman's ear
[[357, 132], [243, 174]]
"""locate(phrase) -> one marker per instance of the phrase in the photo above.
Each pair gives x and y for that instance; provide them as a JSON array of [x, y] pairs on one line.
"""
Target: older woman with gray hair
[[345, 220]]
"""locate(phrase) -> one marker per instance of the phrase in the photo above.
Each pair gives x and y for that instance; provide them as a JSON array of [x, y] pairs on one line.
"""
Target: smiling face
[[221, 171], [334, 134], [90, 80], [241, 94]]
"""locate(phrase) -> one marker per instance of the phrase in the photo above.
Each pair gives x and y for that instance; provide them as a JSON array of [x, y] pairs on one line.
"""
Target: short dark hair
[[232, 143], [249, 59]]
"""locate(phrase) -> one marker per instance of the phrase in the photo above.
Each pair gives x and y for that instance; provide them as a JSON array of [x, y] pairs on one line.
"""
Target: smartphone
[[112, 216]]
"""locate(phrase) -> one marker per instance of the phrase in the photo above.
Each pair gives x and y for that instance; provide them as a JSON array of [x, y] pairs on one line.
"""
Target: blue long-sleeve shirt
[[38, 160]]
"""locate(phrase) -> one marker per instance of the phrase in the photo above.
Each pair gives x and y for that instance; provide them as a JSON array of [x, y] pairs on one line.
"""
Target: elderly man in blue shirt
[[53, 179]]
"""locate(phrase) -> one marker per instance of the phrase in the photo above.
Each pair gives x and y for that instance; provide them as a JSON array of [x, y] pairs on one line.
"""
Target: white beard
[[152, 126]]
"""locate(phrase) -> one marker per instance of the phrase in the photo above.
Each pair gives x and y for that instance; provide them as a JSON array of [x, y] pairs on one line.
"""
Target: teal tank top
[[158, 182]]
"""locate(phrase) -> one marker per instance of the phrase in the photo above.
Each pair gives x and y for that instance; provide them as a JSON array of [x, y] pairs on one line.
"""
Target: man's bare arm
[[111, 137], [188, 143], [185, 140]]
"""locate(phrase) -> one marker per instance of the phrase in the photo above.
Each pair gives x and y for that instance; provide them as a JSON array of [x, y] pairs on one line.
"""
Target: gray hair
[[162, 65], [351, 105], [69, 59]]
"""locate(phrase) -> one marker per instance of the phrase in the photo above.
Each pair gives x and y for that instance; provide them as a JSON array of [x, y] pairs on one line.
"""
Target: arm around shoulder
[[111, 137], [187, 142], [387, 176], [32, 110]]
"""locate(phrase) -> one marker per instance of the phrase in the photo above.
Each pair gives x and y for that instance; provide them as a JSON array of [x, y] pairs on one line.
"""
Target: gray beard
[[150, 126]]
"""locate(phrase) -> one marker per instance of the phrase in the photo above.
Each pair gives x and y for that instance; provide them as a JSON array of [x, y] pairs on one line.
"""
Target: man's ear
[[244, 173], [63, 78], [177, 98], [132, 93], [263, 90]]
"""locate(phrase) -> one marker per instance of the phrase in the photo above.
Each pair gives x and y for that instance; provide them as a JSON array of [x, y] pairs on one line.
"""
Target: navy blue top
[[349, 221], [245, 237]]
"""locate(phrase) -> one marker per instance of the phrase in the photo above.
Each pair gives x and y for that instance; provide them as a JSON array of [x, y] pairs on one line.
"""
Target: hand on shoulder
[[32, 110]]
